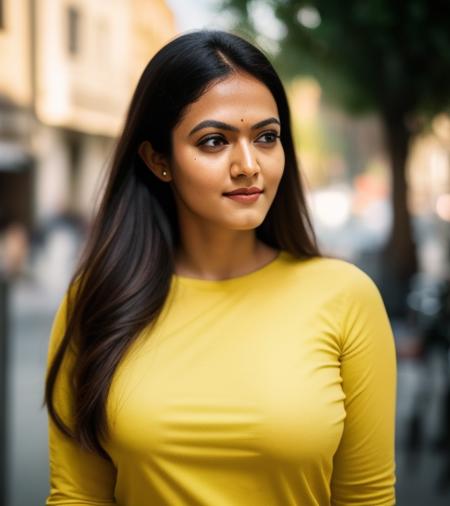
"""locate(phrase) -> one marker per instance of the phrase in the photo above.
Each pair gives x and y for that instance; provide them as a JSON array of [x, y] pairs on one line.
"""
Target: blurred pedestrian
[[13, 250]]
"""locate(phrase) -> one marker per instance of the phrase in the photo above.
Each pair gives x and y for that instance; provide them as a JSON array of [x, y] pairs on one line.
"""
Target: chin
[[250, 224]]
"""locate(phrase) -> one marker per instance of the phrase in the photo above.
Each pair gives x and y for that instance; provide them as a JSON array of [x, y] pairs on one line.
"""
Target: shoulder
[[330, 272], [331, 282]]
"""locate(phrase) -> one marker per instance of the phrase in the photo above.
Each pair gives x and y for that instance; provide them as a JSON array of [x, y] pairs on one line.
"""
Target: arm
[[77, 477], [364, 463]]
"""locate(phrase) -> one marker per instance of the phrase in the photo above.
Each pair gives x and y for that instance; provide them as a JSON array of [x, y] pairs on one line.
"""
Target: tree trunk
[[399, 255]]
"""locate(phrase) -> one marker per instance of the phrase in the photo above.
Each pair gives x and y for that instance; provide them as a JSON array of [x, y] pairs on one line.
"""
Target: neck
[[228, 255]]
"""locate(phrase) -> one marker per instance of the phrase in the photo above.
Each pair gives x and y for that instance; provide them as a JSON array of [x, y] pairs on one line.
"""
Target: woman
[[210, 355]]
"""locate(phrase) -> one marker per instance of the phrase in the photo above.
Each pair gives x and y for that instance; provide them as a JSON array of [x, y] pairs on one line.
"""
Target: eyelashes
[[273, 136], [213, 138]]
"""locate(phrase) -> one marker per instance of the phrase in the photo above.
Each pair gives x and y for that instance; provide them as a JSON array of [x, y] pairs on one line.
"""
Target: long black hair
[[123, 278]]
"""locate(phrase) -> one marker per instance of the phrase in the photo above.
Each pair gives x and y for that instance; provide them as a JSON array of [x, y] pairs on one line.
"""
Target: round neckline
[[215, 283]]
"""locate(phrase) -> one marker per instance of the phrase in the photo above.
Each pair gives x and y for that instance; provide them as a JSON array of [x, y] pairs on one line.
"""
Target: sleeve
[[364, 463], [77, 477]]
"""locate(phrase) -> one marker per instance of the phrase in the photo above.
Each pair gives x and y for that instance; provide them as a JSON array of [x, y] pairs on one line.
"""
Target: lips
[[245, 191]]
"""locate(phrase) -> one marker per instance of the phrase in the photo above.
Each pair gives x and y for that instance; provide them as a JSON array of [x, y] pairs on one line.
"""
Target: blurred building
[[67, 72]]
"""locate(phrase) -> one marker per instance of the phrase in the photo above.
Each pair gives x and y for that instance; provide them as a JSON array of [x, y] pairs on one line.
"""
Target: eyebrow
[[225, 126]]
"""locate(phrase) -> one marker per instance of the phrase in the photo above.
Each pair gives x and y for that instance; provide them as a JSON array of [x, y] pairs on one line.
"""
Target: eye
[[268, 137], [212, 141]]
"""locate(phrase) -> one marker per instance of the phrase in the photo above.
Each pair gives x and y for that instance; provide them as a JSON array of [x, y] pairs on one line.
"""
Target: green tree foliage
[[383, 56], [371, 54]]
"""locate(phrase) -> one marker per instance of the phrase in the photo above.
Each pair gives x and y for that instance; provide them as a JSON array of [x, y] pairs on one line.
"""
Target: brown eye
[[268, 137], [213, 141]]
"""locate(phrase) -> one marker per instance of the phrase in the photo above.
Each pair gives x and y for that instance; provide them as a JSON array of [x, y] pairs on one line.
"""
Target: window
[[73, 30], [102, 41], [2, 15]]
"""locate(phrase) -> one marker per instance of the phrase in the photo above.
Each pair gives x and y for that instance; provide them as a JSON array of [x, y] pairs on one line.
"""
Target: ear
[[155, 161]]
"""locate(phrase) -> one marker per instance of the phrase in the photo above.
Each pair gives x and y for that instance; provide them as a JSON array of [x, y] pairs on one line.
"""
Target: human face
[[241, 150]]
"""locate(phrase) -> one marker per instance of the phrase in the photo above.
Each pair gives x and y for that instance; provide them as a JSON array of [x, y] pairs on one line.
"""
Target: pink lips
[[244, 191], [244, 198], [245, 195]]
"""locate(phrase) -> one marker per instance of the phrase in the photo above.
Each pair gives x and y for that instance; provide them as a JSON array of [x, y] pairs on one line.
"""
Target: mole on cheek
[[242, 119]]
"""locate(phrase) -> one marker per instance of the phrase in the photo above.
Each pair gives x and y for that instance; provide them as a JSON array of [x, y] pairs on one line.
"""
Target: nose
[[244, 160]]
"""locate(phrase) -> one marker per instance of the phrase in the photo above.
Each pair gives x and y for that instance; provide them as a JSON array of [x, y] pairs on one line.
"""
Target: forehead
[[238, 99]]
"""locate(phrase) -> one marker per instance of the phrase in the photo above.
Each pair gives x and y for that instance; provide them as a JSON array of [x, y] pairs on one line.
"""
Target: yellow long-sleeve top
[[275, 388]]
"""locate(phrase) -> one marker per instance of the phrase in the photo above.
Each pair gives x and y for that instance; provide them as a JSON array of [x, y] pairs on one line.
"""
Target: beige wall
[[15, 83], [90, 91], [87, 91], [81, 96], [153, 25]]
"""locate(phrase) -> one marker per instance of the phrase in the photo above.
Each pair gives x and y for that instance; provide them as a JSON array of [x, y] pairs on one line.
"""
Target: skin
[[218, 234]]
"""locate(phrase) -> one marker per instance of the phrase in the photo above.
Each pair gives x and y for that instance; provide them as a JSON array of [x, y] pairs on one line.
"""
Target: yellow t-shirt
[[275, 388]]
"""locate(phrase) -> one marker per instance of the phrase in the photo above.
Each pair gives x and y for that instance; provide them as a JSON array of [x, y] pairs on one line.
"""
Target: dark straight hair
[[124, 275]]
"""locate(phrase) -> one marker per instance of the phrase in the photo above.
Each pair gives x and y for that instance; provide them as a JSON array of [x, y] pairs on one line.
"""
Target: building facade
[[67, 72]]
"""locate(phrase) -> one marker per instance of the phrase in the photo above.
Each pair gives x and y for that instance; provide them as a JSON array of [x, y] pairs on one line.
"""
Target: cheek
[[275, 167], [196, 172]]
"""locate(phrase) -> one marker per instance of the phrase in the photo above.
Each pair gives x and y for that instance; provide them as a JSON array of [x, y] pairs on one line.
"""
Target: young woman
[[205, 352]]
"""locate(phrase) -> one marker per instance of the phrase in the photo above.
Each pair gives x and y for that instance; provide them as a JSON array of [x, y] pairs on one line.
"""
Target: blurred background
[[368, 84]]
